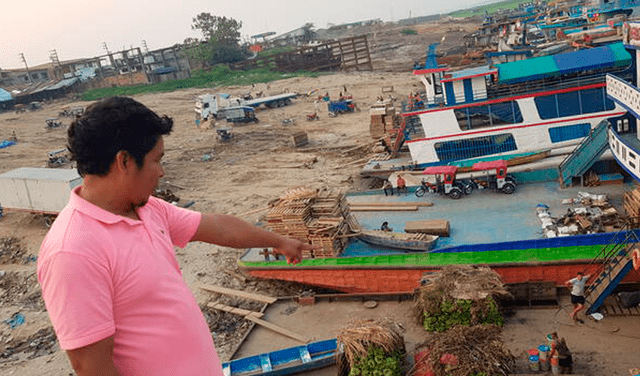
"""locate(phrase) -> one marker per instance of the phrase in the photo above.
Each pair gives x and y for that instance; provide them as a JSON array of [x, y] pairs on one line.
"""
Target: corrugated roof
[[468, 73], [612, 55]]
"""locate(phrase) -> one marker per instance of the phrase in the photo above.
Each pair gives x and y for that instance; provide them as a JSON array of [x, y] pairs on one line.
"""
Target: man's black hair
[[109, 126]]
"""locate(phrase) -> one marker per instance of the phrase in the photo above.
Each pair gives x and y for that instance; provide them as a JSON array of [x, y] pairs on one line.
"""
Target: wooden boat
[[285, 361], [398, 240], [467, 166]]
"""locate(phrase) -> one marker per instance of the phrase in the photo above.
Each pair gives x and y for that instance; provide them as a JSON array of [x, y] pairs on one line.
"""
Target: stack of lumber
[[290, 220], [316, 217], [329, 203], [631, 203]]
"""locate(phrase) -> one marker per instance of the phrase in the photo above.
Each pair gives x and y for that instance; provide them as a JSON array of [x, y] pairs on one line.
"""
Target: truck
[[43, 191], [240, 114], [211, 106]]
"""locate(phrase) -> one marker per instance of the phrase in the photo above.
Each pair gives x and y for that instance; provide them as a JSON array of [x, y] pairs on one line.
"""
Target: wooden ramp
[[613, 307]]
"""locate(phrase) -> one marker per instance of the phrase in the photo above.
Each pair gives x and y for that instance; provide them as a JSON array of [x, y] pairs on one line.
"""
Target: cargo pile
[[593, 214], [457, 305], [319, 217], [383, 118]]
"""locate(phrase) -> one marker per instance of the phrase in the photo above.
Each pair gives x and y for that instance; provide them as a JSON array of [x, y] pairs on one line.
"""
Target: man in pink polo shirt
[[109, 275]]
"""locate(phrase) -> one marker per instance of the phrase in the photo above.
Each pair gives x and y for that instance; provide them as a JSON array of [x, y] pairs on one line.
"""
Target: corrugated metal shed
[[4, 95], [613, 55]]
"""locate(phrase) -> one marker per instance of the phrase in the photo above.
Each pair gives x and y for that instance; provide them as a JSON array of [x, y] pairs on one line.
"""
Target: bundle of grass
[[371, 348], [470, 351], [459, 295]]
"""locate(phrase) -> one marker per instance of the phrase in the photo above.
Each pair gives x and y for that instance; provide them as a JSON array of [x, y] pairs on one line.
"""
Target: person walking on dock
[[110, 278], [387, 186], [577, 285], [401, 184]]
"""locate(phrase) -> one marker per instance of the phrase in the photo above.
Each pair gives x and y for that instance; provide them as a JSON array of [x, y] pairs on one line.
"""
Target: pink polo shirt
[[103, 274]]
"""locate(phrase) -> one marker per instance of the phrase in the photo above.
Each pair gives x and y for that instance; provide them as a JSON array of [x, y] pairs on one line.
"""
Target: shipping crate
[[300, 139]]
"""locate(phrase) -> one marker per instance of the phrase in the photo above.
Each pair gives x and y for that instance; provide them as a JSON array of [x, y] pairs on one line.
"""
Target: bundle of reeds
[[380, 340]]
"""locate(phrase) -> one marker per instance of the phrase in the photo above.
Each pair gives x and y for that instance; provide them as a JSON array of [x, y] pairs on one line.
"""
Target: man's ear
[[122, 160]]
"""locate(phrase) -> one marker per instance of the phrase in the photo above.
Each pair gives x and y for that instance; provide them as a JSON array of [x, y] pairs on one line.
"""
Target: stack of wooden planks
[[290, 219], [316, 217], [631, 203]]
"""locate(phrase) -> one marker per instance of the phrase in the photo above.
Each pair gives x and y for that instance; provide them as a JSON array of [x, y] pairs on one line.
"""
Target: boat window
[[624, 153], [569, 132], [632, 155], [573, 103], [475, 117], [475, 147], [569, 104], [632, 164]]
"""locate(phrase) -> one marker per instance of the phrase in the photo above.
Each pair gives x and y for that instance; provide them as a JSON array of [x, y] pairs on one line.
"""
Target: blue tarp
[[6, 144], [4, 95]]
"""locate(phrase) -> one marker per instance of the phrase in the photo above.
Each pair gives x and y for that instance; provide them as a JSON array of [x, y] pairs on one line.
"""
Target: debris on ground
[[474, 350], [12, 251], [371, 346], [593, 214]]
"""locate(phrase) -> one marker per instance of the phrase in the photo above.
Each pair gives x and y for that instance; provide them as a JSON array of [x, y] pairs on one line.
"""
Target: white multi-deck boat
[[624, 139], [525, 106]]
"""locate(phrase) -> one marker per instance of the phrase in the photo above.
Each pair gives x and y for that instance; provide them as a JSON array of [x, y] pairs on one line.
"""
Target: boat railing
[[619, 246], [506, 90]]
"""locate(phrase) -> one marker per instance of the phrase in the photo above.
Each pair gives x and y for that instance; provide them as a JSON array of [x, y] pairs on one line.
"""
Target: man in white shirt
[[577, 285]]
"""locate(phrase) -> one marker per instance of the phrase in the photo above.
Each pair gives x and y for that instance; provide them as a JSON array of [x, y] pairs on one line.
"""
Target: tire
[[468, 189], [455, 193], [420, 192], [508, 188]]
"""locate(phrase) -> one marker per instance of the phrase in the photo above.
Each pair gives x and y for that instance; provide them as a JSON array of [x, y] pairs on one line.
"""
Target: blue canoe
[[286, 361]]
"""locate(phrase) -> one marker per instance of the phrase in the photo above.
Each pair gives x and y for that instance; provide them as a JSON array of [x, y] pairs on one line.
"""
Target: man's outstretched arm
[[230, 231]]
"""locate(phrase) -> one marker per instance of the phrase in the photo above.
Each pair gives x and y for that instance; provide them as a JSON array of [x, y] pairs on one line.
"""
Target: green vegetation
[[489, 8], [462, 312], [408, 32], [220, 42], [220, 75], [377, 363]]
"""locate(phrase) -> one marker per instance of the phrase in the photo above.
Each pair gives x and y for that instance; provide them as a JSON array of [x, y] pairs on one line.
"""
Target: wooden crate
[[300, 139]]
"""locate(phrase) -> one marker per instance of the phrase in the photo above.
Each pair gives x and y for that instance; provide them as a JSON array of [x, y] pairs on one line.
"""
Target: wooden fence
[[345, 54]]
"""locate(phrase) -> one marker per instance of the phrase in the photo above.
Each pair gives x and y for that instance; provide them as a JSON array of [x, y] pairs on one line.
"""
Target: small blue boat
[[286, 361]]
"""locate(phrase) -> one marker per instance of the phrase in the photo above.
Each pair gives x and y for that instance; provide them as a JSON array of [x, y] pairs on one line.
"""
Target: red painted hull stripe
[[517, 127]]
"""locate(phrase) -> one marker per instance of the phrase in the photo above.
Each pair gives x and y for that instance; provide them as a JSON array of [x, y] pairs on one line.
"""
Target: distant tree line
[[220, 41]]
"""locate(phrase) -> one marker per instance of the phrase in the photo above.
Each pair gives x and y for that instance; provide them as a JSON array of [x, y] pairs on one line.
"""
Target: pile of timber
[[316, 217], [383, 118], [631, 203]]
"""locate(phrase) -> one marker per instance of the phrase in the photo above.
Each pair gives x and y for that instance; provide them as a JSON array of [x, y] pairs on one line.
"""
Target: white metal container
[[40, 190]]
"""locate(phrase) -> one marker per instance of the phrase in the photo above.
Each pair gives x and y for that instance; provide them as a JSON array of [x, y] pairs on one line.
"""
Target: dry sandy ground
[[241, 176]]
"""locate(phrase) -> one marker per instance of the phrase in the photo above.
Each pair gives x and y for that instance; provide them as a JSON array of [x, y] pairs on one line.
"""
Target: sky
[[81, 29]]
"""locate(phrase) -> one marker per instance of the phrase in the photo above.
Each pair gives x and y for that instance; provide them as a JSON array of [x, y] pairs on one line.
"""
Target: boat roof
[[490, 165], [434, 170], [469, 73], [612, 55]]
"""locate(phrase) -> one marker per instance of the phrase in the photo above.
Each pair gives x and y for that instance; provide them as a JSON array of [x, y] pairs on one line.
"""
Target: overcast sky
[[78, 28]]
